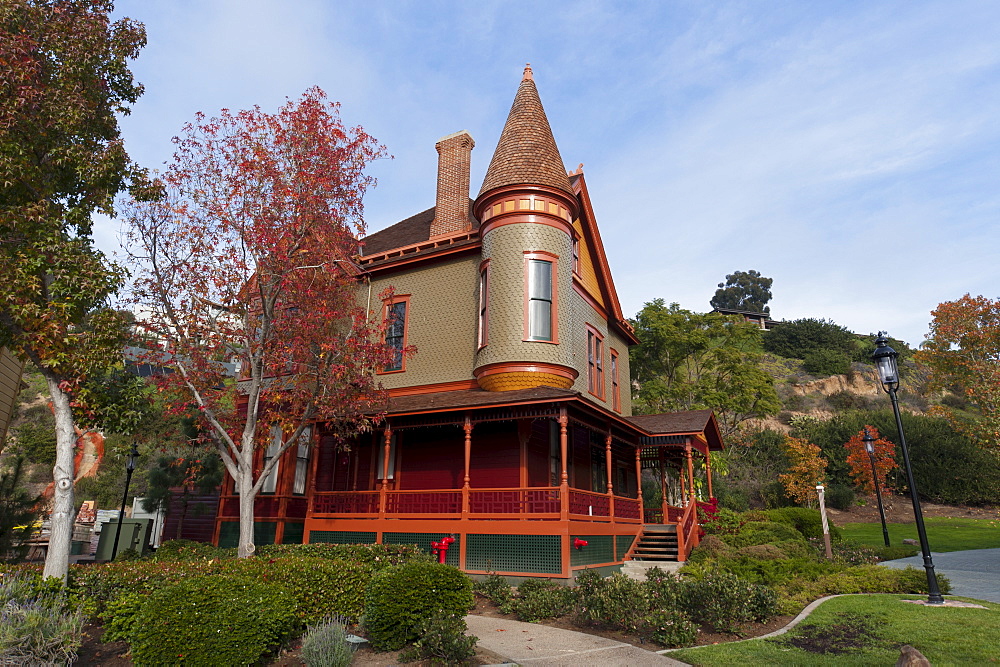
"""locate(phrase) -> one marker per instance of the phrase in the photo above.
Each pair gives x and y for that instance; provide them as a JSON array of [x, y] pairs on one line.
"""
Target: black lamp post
[[870, 448], [129, 469], [888, 371]]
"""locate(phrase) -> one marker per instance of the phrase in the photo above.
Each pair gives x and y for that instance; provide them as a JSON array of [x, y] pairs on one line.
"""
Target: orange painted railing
[[524, 503], [687, 532]]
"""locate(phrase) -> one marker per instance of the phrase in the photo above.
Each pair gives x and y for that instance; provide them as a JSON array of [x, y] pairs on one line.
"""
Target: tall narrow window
[[395, 332], [271, 482], [540, 304], [576, 255], [302, 462], [595, 363], [484, 303], [616, 397]]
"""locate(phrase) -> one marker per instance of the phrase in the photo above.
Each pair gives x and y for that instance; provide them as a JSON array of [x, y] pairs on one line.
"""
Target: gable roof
[[526, 152], [692, 422], [589, 222]]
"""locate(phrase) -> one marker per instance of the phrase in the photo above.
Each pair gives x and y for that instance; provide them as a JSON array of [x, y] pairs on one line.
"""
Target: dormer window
[[540, 298]]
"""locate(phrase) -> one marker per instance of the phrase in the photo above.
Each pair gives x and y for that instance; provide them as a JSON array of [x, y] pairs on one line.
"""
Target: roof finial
[[527, 72]]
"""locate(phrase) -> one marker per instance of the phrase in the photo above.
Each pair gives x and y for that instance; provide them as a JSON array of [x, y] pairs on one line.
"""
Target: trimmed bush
[[400, 597], [670, 627], [212, 620], [862, 579], [541, 598], [763, 532], [711, 546], [326, 645], [378, 556], [183, 550], [321, 587], [724, 601], [762, 552], [495, 588], [616, 601]]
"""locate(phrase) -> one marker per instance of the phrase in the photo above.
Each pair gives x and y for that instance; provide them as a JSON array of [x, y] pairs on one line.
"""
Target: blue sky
[[848, 150]]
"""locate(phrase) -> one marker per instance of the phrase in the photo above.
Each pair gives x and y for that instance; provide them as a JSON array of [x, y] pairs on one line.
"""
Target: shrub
[[799, 338], [763, 532], [400, 597], [840, 496], [774, 572], [711, 546], [616, 601], [894, 552], [540, 598], [36, 628], [762, 552], [670, 627], [496, 588], [805, 520], [212, 620], [325, 644], [725, 522], [378, 556], [120, 616], [321, 587], [724, 601], [862, 579], [826, 362], [442, 639], [185, 550]]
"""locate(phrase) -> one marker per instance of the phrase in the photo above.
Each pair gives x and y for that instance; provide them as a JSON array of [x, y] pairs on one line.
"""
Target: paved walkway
[[535, 644], [974, 574]]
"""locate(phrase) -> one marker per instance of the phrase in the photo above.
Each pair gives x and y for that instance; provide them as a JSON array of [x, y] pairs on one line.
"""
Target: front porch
[[520, 486]]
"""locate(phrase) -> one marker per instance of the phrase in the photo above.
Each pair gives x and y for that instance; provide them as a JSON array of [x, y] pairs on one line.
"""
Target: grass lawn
[[943, 533], [869, 629]]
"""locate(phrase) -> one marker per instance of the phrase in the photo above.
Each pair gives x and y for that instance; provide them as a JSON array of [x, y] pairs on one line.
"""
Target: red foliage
[[246, 256], [860, 464]]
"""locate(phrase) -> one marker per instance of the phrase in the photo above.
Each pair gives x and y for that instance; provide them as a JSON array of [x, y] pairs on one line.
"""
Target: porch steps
[[657, 547]]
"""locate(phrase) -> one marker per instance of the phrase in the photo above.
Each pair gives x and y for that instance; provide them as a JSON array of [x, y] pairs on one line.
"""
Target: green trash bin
[[135, 535]]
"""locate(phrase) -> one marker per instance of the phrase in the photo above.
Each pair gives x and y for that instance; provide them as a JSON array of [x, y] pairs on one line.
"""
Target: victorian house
[[511, 428]]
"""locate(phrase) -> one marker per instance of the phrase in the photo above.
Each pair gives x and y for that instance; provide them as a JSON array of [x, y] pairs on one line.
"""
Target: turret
[[526, 207]]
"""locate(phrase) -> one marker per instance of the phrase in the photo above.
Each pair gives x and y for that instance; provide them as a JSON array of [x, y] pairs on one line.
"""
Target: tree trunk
[[245, 486], [63, 510]]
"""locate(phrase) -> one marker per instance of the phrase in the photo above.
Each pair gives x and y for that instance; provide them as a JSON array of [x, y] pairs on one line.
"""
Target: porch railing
[[523, 503]]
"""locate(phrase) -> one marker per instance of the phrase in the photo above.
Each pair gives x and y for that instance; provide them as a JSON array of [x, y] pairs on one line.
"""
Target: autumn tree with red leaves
[[806, 470], [248, 257], [963, 352], [860, 464], [64, 79]]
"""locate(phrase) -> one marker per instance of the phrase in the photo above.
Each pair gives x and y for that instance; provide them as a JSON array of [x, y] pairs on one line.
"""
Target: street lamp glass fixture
[[885, 360], [133, 456], [869, 441]]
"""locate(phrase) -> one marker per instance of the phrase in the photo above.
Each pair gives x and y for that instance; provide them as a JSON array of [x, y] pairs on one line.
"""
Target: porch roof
[[444, 401], [664, 428]]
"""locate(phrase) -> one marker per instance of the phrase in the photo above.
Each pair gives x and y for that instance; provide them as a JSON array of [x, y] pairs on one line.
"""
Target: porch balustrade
[[523, 503]]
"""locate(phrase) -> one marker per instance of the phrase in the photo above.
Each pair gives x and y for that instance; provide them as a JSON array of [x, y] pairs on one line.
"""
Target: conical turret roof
[[526, 153]]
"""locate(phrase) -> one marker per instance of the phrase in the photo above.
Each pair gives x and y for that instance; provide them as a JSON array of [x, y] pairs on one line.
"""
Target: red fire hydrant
[[441, 548], [578, 543]]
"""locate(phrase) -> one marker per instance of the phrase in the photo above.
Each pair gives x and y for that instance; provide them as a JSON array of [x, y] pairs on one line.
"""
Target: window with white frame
[[540, 300], [302, 461]]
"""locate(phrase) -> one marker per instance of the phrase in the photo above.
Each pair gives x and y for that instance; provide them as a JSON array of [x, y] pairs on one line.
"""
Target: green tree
[[18, 511], [64, 77], [693, 361], [743, 290]]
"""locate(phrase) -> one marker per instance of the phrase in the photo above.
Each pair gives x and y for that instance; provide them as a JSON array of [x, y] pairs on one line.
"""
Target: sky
[[848, 150]]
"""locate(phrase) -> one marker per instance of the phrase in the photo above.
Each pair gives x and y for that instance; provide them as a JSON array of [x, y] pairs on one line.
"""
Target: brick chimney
[[451, 213]]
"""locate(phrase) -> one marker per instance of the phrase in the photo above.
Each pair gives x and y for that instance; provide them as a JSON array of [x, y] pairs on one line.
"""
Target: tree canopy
[[963, 352], [743, 290], [247, 258], [64, 78], [691, 361]]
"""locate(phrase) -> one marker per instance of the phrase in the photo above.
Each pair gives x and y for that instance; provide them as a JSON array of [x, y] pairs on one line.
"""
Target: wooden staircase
[[656, 546]]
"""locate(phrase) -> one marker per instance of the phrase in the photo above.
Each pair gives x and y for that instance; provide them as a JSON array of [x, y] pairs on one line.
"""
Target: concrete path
[[974, 574], [534, 644]]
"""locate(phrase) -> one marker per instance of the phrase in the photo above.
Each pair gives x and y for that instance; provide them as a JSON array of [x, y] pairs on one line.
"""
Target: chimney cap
[[455, 134]]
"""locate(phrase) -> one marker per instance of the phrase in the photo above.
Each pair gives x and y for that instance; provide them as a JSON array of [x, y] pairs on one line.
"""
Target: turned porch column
[[638, 483], [611, 486], [384, 489], [690, 467], [468, 453], [564, 475]]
